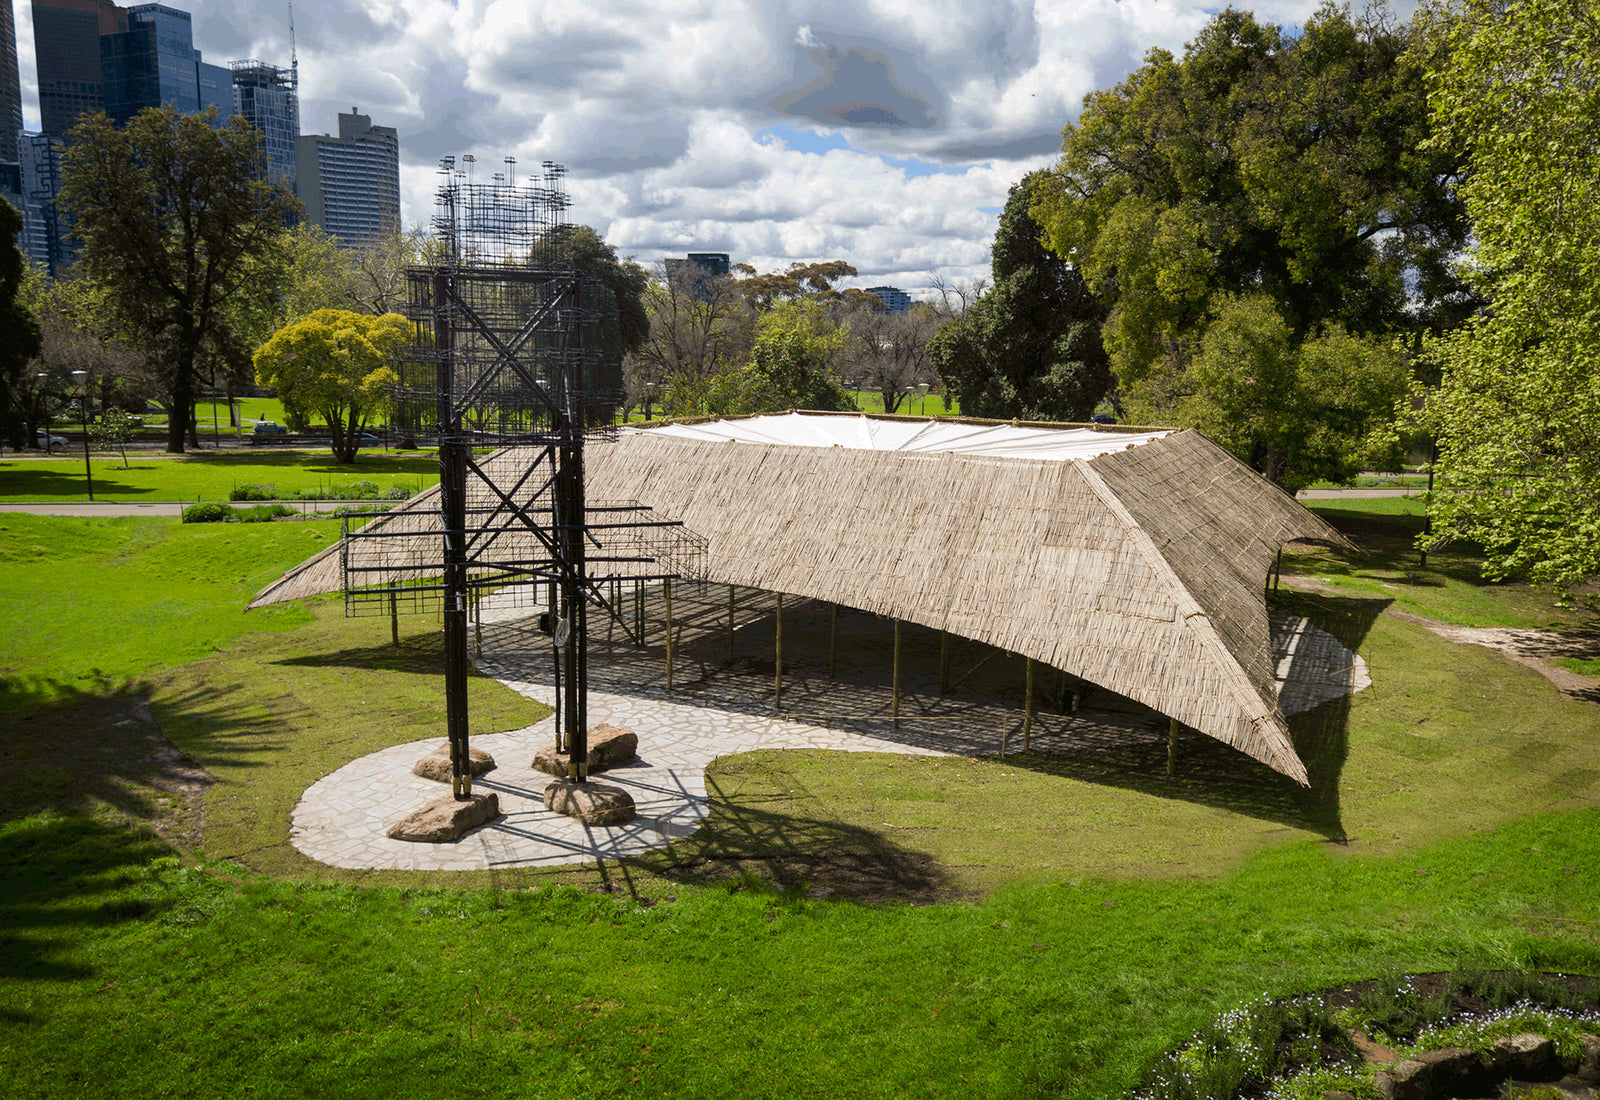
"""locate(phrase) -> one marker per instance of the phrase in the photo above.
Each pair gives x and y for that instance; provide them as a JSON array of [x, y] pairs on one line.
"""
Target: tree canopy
[[19, 331], [339, 363], [1517, 411], [1030, 346], [793, 364], [1260, 165], [172, 212], [627, 321]]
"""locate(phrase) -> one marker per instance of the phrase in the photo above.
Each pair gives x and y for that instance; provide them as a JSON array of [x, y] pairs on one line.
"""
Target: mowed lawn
[[1037, 926], [207, 475]]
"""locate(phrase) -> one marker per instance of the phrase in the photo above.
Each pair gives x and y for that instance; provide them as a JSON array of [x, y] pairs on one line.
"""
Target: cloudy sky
[[882, 132]]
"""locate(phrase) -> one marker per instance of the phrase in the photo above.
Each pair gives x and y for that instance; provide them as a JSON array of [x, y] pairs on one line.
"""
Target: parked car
[[50, 442], [268, 427], [367, 439]]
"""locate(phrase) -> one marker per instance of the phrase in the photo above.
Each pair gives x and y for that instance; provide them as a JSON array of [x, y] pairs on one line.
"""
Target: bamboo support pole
[[1027, 709], [730, 624], [944, 662], [666, 589], [1172, 747], [895, 705], [777, 664], [477, 624], [833, 641]]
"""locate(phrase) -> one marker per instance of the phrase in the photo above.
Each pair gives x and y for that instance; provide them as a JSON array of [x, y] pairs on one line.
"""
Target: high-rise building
[[268, 98], [66, 46], [10, 86], [43, 238], [894, 299], [351, 183], [95, 56], [154, 62], [698, 270]]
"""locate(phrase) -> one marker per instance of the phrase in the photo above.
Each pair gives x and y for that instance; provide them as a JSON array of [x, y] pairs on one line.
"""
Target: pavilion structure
[[1132, 560]]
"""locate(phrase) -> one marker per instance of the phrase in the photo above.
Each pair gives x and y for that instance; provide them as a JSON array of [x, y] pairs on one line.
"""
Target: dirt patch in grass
[[101, 755], [1535, 649]]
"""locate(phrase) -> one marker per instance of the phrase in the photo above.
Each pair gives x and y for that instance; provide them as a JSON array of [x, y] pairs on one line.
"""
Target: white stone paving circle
[[342, 818]]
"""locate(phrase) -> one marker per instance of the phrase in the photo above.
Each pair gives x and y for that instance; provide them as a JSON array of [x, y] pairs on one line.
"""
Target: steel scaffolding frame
[[500, 361]]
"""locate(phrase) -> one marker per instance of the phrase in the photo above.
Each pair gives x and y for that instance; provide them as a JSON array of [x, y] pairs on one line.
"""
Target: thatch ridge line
[[1196, 619]]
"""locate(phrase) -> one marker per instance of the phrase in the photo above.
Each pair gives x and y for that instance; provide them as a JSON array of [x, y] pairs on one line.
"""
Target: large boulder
[[1588, 1070], [609, 747], [446, 819], [590, 803], [437, 765], [1529, 1057], [1406, 1079]]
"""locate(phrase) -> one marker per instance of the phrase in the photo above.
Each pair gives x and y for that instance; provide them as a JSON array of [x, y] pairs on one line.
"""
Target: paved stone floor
[[719, 706]]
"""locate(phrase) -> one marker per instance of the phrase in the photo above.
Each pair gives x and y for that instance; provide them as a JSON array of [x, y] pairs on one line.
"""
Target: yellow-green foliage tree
[[338, 363], [1516, 89]]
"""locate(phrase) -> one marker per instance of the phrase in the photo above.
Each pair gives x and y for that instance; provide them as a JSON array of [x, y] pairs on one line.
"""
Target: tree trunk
[[180, 409]]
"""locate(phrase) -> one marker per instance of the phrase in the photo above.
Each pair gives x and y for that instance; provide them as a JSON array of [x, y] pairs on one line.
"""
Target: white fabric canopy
[[928, 437]]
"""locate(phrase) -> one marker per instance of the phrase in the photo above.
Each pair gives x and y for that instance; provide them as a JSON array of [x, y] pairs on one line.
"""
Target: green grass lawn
[[1450, 588], [208, 475], [1095, 912]]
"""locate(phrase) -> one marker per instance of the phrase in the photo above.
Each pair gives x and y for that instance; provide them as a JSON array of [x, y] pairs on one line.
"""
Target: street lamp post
[[83, 393], [48, 423], [922, 392], [649, 392]]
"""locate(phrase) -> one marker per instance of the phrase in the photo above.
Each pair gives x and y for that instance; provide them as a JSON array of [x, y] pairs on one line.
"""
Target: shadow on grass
[[748, 843], [60, 480], [417, 653], [1210, 773], [64, 873], [74, 751], [1388, 544]]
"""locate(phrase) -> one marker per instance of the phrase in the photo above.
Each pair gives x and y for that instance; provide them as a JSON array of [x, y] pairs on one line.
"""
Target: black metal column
[[453, 454], [570, 522], [457, 664]]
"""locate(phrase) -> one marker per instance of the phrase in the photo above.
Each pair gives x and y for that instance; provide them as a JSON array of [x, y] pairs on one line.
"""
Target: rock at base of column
[[609, 747], [444, 820], [590, 803], [437, 765]]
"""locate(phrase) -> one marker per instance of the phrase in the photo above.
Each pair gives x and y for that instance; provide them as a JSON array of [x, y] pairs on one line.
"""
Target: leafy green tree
[[1298, 411], [699, 328], [338, 363], [1259, 165], [627, 320], [113, 429], [1029, 347], [19, 331], [792, 366], [175, 216], [1517, 413], [802, 281]]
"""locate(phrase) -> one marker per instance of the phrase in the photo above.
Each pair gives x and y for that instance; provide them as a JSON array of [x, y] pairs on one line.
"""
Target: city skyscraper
[[154, 62], [268, 98], [351, 183], [66, 46], [95, 56], [10, 86]]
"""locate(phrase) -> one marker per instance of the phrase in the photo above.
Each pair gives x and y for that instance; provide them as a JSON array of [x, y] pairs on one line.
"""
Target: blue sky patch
[[803, 141]]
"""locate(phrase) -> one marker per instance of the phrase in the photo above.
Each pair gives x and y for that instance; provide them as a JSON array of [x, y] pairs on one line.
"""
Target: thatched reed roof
[[1136, 562]]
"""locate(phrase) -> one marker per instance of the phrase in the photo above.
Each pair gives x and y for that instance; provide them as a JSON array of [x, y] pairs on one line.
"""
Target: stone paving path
[[719, 708]]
